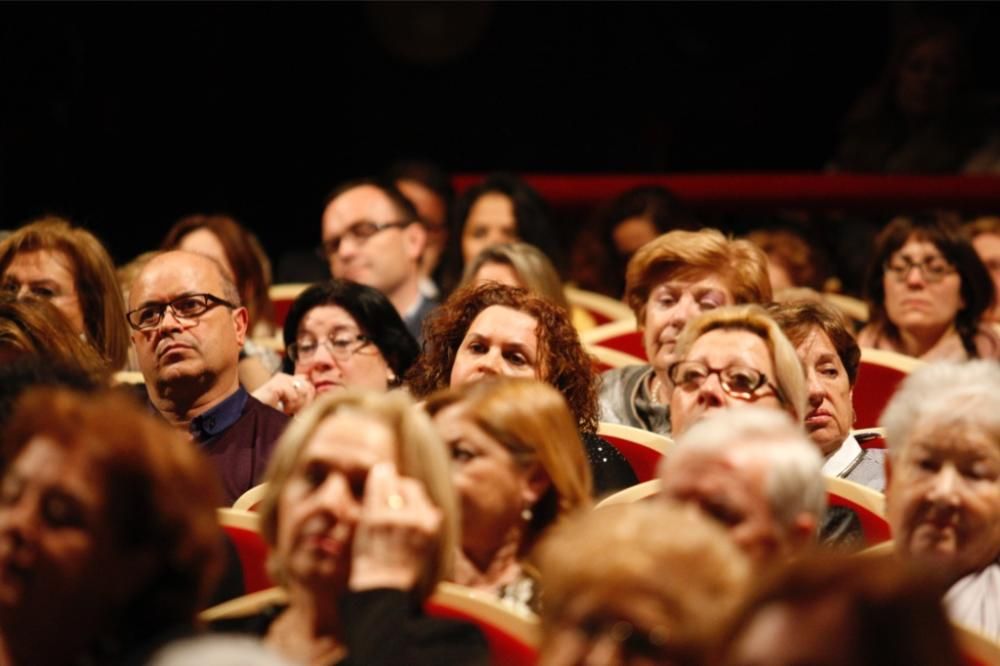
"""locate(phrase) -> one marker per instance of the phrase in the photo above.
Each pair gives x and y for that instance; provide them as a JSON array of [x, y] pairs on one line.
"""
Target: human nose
[[710, 392], [604, 650], [490, 363], [18, 521], [944, 490], [817, 390], [915, 275], [685, 309], [335, 497]]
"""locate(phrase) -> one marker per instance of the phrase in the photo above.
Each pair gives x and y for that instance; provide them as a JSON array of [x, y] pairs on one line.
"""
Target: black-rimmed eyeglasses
[[190, 306], [359, 233], [737, 380]]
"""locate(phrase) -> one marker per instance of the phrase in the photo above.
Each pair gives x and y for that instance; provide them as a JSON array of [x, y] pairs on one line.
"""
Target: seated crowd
[[429, 419]]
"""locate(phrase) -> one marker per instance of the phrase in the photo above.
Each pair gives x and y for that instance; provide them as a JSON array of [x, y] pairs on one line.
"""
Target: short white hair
[[794, 466], [218, 650], [944, 394]]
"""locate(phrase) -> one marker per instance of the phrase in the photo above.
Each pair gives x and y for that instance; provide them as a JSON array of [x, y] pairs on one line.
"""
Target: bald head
[[222, 282]]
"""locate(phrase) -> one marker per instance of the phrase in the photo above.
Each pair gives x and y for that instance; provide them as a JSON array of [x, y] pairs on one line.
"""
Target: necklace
[[654, 390]]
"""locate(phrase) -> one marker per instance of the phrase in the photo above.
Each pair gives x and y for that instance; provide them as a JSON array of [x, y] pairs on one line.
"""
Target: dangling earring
[[527, 515], [393, 380]]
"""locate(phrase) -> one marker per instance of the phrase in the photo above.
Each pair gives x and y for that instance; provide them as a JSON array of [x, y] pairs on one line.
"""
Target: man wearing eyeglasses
[[372, 235], [188, 327]]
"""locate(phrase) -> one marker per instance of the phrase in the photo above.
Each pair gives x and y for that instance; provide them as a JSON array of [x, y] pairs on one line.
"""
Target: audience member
[[732, 356], [603, 249], [108, 537], [934, 312], [189, 327], [670, 280], [637, 584], [500, 209], [373, 235], [754, 471], [339, 334], [985, 235], [842, 611], [362, 523], [518, 466], [494, 329], [429, 190], [943, 497], [830, 356], [792, 261], [67, 265]]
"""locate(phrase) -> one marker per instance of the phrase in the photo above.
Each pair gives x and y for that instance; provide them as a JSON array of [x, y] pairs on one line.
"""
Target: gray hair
[[794, 465], [944, 394]]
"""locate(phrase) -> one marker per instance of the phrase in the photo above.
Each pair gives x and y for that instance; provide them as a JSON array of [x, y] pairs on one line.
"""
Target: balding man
[[372, 235], [188, 328], [757, 474]]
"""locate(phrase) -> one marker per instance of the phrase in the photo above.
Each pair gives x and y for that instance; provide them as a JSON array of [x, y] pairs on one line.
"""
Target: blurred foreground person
[[985, 235], [943, 497], [361, 519], [518, 466], [108, 537], [640, 584], [840, 611]]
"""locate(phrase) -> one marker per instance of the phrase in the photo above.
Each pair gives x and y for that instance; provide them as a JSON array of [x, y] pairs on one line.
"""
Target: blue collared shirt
[[217, 420]]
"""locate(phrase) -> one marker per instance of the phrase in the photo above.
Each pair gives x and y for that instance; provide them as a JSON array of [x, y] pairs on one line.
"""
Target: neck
[[493, 569], [181, 401], [309, 630], [406, 295], [917, 342]]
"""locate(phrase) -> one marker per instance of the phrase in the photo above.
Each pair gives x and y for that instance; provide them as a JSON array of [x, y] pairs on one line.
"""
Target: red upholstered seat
[[620, 336], [282, 297], [868, 504], [642, 449], [878, 377], [243, 527]]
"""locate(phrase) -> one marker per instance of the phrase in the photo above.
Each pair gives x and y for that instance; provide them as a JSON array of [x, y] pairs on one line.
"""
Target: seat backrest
[[878, 377], [282, 297], [604, 358], [602, 308], [976, 649], [243, 527], [870, 438], [636, 493], [618, 335], [251, 499], [513, 636], [642, 449], [868, 504]]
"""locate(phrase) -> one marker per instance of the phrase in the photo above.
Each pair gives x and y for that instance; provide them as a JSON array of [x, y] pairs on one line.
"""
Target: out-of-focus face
[[432, 210], [56, 547], [720, 349], [490, 221], [831, 411], [601, 627], [205, 347], [334, 354], [387, 259], [988, 248], [48, 274], [493, 271], [730, 488], [632, 233], [321, 501], [943, 498], [203, 241], [928, 78], [778, 275], [914, 303], [492, 486], [670, 305], [819, 633], [500, 341]]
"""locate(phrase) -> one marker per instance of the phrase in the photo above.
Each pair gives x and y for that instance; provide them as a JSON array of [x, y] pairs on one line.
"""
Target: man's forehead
[[364, 202], [176, 273]]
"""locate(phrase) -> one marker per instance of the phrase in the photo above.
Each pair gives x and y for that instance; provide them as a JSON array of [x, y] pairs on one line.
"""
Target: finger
[[381, 483]]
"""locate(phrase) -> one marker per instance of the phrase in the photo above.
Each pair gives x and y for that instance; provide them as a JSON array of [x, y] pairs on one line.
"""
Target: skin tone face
[[432, 210], [731, 488], [922, 311], [943, 498], [202, 350], [47, 274], [988, 248], [718, 349], [207, 243], [831, 411], [492, 486], [322, 499], [500, 341], [490, 221], [388, 260], [927, 79], [818, 633], [366, 368], [55, 544], [589, 632], [496, 272], [779, 277], [670, 305], [632, 233]]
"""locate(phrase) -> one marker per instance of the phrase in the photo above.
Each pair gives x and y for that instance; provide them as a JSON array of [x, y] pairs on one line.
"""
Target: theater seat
[[513, 636], [250, 500], [878, 377], [603, 359], [600, 307], [243, 527], [636, 493], [868, 504], [642, 449], [976, 649], [618, 335], [282, 297]]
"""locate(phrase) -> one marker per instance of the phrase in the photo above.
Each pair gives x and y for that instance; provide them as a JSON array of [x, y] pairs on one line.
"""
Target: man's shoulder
[[265, 414]]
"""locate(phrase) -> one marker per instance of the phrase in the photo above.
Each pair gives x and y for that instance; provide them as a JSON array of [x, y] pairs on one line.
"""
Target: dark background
[[127, 116]]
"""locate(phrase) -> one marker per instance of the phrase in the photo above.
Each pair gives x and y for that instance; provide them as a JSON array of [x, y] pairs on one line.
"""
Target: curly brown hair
[[564, 364]]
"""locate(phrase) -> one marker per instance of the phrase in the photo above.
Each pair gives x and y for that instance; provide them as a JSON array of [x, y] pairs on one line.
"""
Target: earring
[[527, 515]]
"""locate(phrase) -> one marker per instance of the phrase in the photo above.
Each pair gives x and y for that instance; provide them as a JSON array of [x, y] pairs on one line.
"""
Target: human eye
[[517, 358], [937, 268], [189, 306], [148, 315], [362, 230], [666, 298], [691, 373], [60, 510], [928, 464], [10, 286], [477, 347], [341, 343], [42, 291], [10, 490], [722, 512], [306, 346], [981, 470], [742, 379], [462, 453], [314, 474], [829, 370]]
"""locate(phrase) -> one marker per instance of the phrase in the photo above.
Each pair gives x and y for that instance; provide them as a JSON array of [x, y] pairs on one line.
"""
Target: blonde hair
[[532, 420], [741, 265], [789, 377], [420, 455], [94, 276], [533, 268]]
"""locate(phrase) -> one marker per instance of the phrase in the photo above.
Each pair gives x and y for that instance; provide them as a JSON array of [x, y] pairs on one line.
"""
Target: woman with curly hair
[[494, 329]]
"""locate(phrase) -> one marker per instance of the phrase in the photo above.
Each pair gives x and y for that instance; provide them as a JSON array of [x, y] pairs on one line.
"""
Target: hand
[[397, 531], [286, 393]]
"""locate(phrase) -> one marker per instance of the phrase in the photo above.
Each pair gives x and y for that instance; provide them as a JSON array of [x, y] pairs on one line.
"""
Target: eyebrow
[[169, 300]]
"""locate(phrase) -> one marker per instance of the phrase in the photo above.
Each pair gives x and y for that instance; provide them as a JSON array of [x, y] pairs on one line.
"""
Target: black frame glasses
[[730, 378], [340, 348], [931, 270], [359, 232], [189, 306]]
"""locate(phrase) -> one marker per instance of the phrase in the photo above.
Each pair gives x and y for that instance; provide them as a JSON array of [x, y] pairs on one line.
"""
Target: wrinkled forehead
[[173, 274]]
